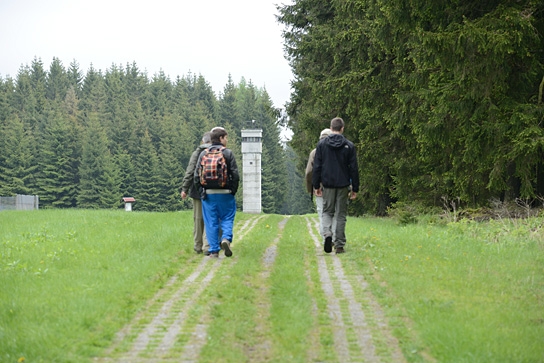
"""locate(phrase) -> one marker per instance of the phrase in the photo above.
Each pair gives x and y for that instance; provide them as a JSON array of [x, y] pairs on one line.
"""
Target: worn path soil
[[359, 327]]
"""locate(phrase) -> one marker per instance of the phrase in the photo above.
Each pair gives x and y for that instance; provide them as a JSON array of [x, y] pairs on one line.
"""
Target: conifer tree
[[55, 175], [159, 95], [93, 94], [199, 121], [204, 94], [71, 103], [274, 183], [245, 104], [147, 176], [7, 92], [75, 77], [181, 98], [38, 81], [124, 164], [170, 176], [227, 104], [99, 176], [15, 158], [296, 201], [56, 82], [24, 100], [120, 112]]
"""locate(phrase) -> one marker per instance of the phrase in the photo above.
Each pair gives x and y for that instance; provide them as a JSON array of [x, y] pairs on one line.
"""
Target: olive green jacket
[[188, 185]]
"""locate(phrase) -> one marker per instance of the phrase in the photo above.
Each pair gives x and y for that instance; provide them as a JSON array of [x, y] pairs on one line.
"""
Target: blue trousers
[[218, 211]]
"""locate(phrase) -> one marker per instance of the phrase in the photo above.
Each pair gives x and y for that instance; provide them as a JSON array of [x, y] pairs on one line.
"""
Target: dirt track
[[357, 320]]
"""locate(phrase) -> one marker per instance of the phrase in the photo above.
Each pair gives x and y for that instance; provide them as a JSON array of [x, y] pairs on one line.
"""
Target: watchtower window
[[251, 139]]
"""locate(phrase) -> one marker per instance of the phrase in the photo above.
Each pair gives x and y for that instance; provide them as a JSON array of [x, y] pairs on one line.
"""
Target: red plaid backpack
[[213, 168]]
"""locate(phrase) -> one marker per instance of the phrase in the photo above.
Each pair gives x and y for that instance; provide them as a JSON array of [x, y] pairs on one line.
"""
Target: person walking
[[318, 200], [335, 177], [188, 189], [218, 203]]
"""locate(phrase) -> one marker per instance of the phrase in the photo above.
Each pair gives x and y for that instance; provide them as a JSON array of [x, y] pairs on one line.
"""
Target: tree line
[[443, 99], [87, 140]]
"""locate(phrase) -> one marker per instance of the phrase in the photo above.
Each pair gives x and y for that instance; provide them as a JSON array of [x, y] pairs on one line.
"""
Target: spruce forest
[[443, 99], [87, 140]]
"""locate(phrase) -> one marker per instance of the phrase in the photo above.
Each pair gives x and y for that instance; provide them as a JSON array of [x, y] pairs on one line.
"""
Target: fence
[[20, 202]]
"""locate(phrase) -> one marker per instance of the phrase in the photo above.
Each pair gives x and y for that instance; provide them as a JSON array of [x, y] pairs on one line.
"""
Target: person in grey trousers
[[189, 189], [335, 177], [308, 174]]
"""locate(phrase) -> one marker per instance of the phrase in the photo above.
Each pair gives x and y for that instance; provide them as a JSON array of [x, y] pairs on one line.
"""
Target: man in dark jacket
[[218, 204], [188, 188], [335, 167]]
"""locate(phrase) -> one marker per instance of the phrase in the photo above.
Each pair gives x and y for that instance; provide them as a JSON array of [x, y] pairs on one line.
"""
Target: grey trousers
[[319, 206], [335, 205], [199, 233]]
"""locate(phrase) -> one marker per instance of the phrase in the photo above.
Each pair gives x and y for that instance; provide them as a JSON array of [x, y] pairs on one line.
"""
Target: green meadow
[[458, 292], [473, 292]]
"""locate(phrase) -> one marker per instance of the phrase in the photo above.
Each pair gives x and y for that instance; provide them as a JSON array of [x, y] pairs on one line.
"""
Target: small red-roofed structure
[[128, 203]]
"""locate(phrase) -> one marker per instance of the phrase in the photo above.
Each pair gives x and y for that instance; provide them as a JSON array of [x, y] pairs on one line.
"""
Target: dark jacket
[[232, 170], [188, 184], [335, 164]]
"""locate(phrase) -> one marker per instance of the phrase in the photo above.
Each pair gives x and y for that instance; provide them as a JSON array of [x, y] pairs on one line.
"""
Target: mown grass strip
[[173, 313], [154, 306], [387, 347], [233, 295], [291, 304], [323, 326], [199, 316]]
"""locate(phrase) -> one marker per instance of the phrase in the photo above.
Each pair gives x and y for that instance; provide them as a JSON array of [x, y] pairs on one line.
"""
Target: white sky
[[208, 37]]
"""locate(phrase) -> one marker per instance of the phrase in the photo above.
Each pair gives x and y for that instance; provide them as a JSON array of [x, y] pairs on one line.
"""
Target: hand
[[352, 195], [183, 195], [318, 192]]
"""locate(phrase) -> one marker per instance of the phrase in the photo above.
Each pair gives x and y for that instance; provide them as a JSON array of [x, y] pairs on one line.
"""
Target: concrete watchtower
[[252, 148]]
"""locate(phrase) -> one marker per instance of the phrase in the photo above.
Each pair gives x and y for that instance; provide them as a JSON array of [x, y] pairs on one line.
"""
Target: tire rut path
[[164, 332], [354, 331], [156, 338]]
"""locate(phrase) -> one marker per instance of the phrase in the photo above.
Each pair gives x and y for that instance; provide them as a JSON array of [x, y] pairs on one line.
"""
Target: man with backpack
[[188, 189], [217, 178]]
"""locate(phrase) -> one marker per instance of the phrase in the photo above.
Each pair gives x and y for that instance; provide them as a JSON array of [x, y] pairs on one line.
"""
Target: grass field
[[72, 279], [474, 292]]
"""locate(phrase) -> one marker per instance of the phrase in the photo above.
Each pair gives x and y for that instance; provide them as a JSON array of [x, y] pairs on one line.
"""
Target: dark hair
[[336, 124], [217, 134]]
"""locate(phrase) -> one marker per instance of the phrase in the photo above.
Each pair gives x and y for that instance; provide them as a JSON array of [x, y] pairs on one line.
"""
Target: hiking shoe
[[214, 255], [225, 245], [207, 253], [198, 252], [328, 244], [340, 250]]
